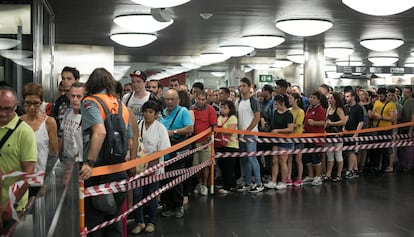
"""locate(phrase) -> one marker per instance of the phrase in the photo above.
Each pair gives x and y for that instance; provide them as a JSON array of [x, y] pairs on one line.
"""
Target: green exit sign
[[265, 78]]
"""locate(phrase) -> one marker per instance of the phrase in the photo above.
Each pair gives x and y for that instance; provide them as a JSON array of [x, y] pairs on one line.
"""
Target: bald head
[[8, 105], [171, 99]]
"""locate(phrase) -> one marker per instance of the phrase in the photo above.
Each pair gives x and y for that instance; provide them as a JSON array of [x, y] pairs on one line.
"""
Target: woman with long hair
[[335, 120]]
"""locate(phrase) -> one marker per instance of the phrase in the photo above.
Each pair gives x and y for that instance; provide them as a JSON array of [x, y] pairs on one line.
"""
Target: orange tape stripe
[[109, 169]]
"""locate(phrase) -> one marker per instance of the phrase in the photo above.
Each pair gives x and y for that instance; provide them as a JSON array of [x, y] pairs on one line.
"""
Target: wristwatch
[[175, 131], [91, 163]]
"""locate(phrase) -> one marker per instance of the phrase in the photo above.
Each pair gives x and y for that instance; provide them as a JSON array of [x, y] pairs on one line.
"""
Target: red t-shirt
[[204, 119], [317, 113]]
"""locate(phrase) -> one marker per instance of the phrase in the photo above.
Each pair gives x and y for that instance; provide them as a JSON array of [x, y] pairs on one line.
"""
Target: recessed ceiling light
[[143, 23], [379, 7], [383, 60], [6, 43], [304, 27], [235, 50], [133, 39], [338, 52], [161, 3], [382, 44], [262, 41]]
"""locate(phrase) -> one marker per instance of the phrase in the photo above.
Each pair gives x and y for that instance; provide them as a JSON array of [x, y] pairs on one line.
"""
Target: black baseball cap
[[139, 73]]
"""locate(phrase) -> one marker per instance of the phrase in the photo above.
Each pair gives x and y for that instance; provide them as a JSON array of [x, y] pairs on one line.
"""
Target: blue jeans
[[153, 204], [250, 162]]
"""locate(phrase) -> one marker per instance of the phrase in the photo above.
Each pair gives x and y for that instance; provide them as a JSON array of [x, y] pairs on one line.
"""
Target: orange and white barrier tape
[[188, 173], [142, 178], [317, 149]]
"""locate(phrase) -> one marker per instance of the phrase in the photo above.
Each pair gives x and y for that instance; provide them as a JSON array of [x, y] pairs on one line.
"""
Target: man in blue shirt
[[178, 122]]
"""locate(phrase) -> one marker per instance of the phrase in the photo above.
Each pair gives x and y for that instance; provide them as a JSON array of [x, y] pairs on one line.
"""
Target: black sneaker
[[355, 173], [256, 188], [242, 187]]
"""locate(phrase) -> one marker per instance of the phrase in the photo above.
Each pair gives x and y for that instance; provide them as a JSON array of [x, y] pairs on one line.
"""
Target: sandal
[[326, 178], [337, 179]]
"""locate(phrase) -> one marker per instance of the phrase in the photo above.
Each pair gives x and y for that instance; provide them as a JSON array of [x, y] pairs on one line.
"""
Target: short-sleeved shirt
[[298, 117], [204, 119], [355, 116], [281, 121], [72, 136], [233, 143], [246, 110], [182, 120], [155, 138], [407, 111], [317, 113], [389, 109], [20, 147], [91, 116], [135, 104]]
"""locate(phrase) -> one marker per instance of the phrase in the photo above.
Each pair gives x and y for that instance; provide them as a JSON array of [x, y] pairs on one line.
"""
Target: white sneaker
[[317, 181], [270, 185], [203, 190], [281, 185], [308, 180], [197, 189]]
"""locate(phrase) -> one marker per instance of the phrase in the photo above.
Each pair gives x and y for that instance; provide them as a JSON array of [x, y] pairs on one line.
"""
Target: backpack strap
[[129, 97], [8, 134]]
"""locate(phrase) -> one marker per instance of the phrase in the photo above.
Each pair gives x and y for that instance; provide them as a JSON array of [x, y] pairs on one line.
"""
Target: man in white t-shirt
[[248, 117], [135, 99], [71, 145]]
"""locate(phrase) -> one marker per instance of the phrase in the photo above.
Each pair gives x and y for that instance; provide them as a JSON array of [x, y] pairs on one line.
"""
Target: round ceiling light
[[304, 27], [15, 54], [383, 60], [262, 41], [351, 63], [379, 7], [235, 50], [296, 58], [282, 63], [161, 3], [133, 39], [338, 52], [382, 44], [6, 43], [213, 57], [143, 23]]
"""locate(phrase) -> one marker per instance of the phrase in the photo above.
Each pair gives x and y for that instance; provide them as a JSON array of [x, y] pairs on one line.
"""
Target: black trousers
[[227, 168], [173, 198]]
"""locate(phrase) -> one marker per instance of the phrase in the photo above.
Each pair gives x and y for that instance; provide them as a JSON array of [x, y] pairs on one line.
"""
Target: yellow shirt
[[20, 147], [298, 117], [234, 142], [389, 110]]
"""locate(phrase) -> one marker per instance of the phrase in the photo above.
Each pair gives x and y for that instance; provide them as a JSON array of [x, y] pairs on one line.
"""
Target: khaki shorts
[[201, 156]]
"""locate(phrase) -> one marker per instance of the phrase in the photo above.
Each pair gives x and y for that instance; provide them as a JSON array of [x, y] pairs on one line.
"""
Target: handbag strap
[[8, 134], [222, 124]]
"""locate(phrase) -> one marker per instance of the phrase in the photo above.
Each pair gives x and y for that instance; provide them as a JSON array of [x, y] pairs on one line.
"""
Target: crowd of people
[[153, 120]]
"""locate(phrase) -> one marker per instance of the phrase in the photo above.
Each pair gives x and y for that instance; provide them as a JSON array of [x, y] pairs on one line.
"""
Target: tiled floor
[[367, 206]]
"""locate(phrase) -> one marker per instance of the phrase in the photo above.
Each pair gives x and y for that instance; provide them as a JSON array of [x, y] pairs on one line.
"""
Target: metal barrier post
[[212, 165], [82, 208]]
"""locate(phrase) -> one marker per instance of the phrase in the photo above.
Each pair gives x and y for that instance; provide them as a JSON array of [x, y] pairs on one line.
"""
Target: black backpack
[[115, 145]]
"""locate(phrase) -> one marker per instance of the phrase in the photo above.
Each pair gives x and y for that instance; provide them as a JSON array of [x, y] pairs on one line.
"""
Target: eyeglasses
[[7, 109], [34, 103]]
